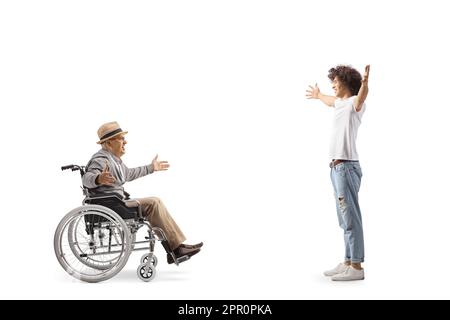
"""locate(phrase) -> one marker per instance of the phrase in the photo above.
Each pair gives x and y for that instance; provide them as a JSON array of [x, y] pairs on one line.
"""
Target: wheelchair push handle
[[74, 167]]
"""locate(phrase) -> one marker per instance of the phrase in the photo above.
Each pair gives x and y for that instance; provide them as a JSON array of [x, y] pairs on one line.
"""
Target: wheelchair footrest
[[183, 258]]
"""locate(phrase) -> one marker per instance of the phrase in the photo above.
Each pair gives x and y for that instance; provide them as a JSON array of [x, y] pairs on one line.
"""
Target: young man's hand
[[365, 78], [313, 93]]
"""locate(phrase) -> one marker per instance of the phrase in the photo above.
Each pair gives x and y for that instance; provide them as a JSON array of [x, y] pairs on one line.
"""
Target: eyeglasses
[[119, 138]]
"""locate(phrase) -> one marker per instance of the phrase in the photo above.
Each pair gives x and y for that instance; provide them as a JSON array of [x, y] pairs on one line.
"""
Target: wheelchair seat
[[114, 202]]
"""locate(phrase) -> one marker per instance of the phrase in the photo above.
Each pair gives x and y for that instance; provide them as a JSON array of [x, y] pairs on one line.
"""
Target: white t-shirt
[[344, 130]]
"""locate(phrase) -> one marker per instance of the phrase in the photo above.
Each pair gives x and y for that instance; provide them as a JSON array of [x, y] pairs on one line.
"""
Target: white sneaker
[[349, 275], [341, 267]]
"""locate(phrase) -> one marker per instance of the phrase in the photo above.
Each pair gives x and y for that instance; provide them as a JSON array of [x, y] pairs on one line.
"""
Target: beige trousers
[[155, 212]]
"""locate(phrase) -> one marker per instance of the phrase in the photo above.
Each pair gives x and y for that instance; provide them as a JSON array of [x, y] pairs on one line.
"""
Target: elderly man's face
[[117, 145]]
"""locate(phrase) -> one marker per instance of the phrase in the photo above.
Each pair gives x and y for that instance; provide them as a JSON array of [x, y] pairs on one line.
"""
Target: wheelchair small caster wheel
[[146, 276], [153, 262]]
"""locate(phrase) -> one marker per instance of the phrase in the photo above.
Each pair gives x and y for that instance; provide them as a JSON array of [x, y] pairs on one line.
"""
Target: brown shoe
[[180, 251], [192, 246]]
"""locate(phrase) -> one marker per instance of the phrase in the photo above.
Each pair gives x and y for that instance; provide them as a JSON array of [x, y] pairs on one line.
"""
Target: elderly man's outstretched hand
[[160, 165]]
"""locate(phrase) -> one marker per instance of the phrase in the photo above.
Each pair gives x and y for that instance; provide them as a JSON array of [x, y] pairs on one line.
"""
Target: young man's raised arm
[[363, 91], [314, 93]]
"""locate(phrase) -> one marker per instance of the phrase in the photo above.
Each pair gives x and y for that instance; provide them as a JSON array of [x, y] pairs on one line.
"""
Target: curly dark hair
[[348, 76]]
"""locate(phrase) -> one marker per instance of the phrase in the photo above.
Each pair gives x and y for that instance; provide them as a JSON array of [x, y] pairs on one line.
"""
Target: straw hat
[[108, 131]]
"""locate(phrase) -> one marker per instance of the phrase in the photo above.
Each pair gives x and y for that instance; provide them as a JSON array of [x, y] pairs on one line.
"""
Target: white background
[[217, 88]]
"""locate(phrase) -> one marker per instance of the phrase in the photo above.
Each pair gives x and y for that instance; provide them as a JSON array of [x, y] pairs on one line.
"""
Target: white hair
[[105, 146]]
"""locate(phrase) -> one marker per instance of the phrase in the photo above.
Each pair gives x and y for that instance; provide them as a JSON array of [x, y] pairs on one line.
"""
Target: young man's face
[[117, 145], [339, 89]]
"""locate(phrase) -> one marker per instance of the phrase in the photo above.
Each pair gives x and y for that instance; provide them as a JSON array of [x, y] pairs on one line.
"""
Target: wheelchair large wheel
[[92, 243], [81, 252]]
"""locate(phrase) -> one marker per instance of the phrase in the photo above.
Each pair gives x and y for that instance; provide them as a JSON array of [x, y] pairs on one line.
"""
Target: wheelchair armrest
[[127, 195], [106, 195], [132, 203]]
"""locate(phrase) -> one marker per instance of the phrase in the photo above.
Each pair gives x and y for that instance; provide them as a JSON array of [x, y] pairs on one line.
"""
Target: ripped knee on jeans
[[342, 203]]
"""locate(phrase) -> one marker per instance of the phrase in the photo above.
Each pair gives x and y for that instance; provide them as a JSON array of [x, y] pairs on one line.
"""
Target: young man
[[350, 93], [106, 173]]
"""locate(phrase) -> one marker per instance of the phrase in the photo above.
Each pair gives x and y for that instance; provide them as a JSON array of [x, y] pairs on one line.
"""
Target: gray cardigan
[[117, 169]]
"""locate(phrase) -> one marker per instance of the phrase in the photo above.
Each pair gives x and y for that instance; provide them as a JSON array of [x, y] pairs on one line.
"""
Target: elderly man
[[106, 173]]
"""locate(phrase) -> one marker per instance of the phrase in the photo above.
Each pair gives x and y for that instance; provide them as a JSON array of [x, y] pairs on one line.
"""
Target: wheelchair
[[94, 241]]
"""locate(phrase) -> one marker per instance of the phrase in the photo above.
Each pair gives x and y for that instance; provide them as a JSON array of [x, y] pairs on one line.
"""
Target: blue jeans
[[346, 179]]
